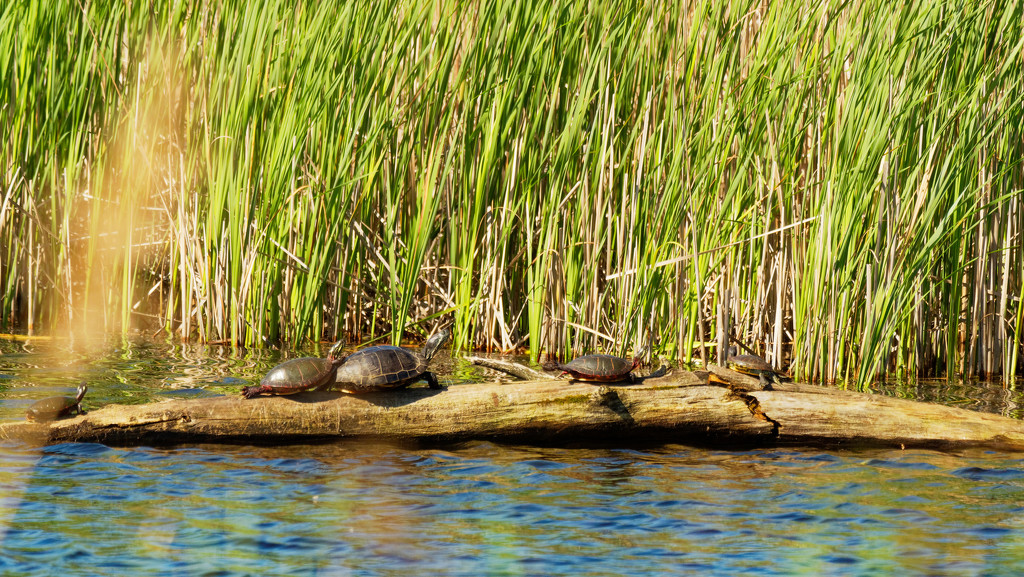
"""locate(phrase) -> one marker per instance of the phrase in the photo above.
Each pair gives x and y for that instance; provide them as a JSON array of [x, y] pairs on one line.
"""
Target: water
[[358, 508], [484, 509]]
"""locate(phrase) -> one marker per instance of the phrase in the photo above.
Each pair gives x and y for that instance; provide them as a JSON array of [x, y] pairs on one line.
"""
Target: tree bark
[[717, 408]]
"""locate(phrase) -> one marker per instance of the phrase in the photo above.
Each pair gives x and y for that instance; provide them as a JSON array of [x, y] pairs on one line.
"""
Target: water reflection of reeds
[[140, 369]]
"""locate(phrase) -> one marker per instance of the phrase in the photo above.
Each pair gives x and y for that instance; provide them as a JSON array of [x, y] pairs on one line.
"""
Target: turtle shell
[[755, 366], [297, 375], [389, 367], [53, 408], [598, 368], [750, 364], [380, 367]]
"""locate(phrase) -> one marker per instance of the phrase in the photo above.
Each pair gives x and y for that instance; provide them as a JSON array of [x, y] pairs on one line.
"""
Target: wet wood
[[718, 408]]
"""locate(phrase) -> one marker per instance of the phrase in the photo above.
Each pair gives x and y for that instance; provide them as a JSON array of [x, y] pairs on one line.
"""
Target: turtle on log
[[53, 408], [599, 368], [298, 375], [754, 366], [388, 367]]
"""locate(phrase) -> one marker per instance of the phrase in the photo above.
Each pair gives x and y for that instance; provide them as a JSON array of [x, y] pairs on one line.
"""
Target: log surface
[[683, 407], [812, 415]]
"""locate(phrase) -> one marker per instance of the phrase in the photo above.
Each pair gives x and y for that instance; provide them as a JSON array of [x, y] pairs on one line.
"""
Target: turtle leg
[[432, 380], [766, 385], [254, 391]]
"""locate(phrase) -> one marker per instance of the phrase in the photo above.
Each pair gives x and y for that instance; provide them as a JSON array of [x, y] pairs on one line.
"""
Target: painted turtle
[[298, 375], [753, 365], [54, 408], [601, 368], [388, 367]]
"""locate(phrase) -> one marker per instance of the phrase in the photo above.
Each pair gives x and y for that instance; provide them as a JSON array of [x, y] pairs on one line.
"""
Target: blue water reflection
[[485, 509]]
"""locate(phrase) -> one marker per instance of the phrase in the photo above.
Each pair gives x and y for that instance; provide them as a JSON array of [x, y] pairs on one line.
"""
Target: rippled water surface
[[484, 509], [475, 508]]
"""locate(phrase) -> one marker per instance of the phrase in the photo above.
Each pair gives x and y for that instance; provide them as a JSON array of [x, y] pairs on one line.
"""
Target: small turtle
[[54, 408], [600, 368], [753, 365], [298, 375], [388, 367]]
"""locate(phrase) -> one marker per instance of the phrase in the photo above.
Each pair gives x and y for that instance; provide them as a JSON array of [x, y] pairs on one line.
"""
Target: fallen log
[[813, 415], [720, 408]]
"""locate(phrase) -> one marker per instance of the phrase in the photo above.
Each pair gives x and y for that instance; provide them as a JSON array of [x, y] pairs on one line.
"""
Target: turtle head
[[334, 355], [638, 357], [82, 388], [434, 343]]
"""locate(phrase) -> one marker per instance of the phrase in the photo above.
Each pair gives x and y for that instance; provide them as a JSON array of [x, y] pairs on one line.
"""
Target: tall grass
[[838, 185]]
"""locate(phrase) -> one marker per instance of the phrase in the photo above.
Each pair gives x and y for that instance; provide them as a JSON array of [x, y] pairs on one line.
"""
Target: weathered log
[[682, 407], [808, 414], [515, 369]]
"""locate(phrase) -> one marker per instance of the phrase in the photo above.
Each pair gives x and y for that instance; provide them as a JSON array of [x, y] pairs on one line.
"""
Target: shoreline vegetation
[[838, 185]]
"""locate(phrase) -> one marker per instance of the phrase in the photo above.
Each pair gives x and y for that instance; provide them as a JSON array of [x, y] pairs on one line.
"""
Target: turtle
[[298, 375], [753, 365], [600, 368], [54, 408], [388, 367]]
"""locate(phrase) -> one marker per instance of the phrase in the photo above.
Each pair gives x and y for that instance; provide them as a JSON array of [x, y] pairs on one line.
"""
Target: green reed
[[836, 185]]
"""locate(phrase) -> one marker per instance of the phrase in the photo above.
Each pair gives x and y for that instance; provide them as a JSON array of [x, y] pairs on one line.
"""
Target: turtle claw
[[253, 391]]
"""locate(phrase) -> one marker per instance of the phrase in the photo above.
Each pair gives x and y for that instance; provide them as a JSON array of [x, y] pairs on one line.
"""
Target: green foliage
[[844, 181]]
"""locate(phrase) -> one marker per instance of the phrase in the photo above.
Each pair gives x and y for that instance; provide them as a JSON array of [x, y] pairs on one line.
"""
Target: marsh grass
[[836, 184]]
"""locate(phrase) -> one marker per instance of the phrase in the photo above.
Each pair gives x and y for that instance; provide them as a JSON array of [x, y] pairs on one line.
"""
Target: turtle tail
[[434, 343]]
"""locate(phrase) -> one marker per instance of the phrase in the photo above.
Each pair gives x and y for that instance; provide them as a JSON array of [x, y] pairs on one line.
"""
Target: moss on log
[[682, 407]]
